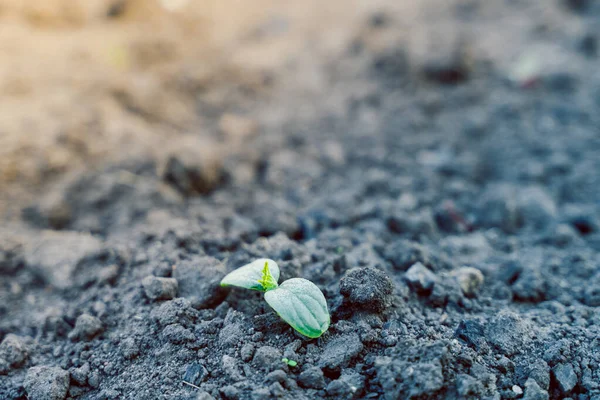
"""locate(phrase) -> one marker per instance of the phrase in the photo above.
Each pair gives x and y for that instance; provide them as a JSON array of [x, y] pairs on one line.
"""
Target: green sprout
[[290, 363], [299, 302]]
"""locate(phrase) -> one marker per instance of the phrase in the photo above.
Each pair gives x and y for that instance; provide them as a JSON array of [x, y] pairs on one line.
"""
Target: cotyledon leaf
[[301, 304], [253, 276]]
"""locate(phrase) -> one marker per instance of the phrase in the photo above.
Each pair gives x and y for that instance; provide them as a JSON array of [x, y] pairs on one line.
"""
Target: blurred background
[[86, 83], [91, 82]]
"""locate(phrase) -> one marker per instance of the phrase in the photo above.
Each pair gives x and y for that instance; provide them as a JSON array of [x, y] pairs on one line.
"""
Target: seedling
[[299, 302], [289, 362]]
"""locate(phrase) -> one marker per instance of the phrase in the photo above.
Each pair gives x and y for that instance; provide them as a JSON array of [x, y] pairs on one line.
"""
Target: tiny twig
[[191, 384]]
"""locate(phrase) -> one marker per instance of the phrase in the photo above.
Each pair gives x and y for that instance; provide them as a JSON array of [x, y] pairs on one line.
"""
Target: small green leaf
[[289, 362], [261, 275], [301, 304], [267, 281]]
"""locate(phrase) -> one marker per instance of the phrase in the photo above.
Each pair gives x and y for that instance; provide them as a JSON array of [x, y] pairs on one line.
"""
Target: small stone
[[540, 372], [534, 392], [86, 328], [517, 389], [159, 288], [506, 332], [80, 375], [129, 348], [420, 279], [470, 280], [471, 332], [267, 357], [195, 374], [565, 376], [340, 351], [94, 379], [247, 352], [177, 334], [367, 288], [46, 383], [13, 351], [312, 378]]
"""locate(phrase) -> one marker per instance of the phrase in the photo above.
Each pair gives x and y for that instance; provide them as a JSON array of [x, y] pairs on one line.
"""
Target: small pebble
[[470, 280], [86, 328], [420, 279], [517, 390], [159, 288]]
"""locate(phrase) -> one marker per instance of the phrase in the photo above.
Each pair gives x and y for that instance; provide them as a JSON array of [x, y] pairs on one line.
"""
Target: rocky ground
[[438, 178]]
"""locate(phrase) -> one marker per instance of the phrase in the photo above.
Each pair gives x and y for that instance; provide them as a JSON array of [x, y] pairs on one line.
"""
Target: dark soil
[[446, 203]]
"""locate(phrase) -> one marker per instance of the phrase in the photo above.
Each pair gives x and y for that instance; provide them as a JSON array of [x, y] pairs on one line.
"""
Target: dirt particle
[[506, 332], [247, 352], [46, 383], [471, 332], [339, 351], [159, 288], [312, 378], [195, 374], [267, 358], [177, 334], [80, 375], [420, 279], [565, 376], [13, 351], [86, 328], [367, 288], [534, 392], [470, 280]]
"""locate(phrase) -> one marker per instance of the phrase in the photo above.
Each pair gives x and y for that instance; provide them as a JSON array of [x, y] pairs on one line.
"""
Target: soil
[[433, 168]]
